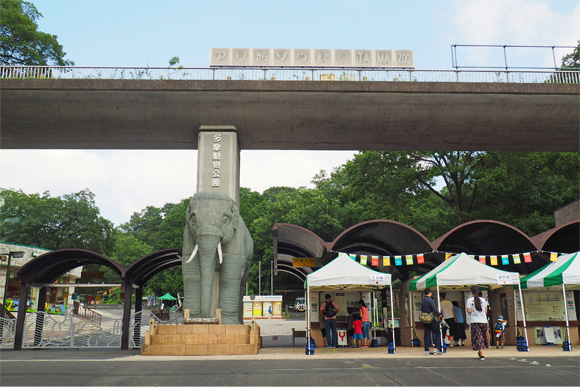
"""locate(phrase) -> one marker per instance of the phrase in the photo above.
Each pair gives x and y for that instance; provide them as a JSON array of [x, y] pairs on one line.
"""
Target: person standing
[[477, 307], [329, 309], [459, 334], [357, 335], [432, 328], [322, 329], [366, 322], [448, 316]]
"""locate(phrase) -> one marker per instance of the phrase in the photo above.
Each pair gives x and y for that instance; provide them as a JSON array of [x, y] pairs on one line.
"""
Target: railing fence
[[289, 74]]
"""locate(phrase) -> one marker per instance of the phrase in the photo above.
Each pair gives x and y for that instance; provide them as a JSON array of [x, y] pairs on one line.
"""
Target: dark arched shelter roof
[[297, 241], [490, 237], [285, 264], [292, 241], [48, 267], [562, 239], [145, 268], [386, 237]]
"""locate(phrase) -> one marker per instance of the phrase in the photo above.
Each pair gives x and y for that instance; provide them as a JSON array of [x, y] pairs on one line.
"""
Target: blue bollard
[[310, 347], [566, 346], [391, 348]]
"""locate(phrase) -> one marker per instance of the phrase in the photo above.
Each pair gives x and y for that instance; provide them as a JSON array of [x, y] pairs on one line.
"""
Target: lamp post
[[15, 254]]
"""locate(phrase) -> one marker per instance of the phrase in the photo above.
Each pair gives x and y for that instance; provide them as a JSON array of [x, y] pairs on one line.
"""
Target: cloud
[[514, 22]]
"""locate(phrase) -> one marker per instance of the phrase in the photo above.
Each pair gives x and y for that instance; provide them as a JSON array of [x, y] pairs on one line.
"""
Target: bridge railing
[[290, 74]]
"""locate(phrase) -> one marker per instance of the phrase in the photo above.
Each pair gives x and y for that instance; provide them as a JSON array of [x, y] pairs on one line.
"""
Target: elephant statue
[[215, 241]]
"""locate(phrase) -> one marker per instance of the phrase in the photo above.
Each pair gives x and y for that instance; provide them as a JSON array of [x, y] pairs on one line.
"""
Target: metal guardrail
[[289, 74]]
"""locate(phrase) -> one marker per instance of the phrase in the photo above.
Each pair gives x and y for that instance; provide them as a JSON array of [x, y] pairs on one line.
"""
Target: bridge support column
[[218, 160]]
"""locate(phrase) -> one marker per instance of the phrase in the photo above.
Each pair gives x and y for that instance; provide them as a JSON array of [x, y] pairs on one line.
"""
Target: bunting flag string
[[419, 259]]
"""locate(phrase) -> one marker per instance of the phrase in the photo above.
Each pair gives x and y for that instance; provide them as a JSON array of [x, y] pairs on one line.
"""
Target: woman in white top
[[477, 307]]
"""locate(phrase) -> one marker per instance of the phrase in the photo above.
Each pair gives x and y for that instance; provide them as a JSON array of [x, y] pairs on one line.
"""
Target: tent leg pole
[[516, 315], [308, 316], [393, 316], [566, 312], [524, 315], [439, 310]]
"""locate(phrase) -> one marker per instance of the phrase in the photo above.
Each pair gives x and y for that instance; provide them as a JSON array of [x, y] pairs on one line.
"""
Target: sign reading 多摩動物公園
[[296, 57]]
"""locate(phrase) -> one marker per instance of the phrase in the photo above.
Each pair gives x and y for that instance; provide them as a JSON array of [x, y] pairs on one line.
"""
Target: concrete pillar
[[218, 160], [218, 169]]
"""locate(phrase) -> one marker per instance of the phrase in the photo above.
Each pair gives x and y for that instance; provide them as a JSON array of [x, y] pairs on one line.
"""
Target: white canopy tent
[[463, 271], [564, 272], [344, 274]]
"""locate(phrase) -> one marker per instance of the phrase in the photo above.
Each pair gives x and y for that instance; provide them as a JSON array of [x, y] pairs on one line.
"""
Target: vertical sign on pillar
[[218, 160]]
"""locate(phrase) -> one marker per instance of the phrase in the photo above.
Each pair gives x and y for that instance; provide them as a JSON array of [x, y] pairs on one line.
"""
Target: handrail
[[289, 74], [87, 313]]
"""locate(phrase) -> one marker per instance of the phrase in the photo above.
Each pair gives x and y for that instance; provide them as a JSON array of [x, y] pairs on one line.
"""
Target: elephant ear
[[188, 234], [235, 215]]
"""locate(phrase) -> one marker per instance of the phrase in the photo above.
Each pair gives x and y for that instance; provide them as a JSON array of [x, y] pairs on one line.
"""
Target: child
[[357, 325], [499, 331]]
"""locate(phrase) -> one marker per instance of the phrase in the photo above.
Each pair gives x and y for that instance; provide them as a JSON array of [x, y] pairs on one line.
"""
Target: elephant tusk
[[193, 254], [220, 254]]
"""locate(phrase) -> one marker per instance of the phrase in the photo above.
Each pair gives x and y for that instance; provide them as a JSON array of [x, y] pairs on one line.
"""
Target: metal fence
[[73, 331], [289, 74]]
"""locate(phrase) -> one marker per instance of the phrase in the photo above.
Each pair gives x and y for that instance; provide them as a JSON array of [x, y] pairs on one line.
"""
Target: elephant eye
[[226, 218]]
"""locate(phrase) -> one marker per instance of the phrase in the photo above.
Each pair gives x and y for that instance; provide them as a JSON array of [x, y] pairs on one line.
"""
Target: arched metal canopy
[[48, 267], [490, 237], [563, 239], [142, 270]]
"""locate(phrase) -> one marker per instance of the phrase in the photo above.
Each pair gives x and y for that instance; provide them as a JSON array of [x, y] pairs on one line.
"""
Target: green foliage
[[572, 60], [432, 192], [20, 41], [70, 221]]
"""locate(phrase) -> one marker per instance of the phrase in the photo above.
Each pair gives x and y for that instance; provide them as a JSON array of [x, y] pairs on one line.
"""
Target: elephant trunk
[[208, 246]]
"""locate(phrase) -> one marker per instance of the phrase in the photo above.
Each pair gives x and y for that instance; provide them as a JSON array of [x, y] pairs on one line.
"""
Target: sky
[[135, 33]]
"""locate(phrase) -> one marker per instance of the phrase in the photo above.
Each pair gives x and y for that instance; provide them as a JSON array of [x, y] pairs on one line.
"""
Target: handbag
[[426, 318]]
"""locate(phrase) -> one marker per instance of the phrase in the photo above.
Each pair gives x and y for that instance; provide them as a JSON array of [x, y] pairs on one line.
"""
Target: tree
[[572, 59], [70, 221], [20, 41]]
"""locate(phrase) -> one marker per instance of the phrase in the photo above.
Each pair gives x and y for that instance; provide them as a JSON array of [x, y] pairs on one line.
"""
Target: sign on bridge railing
[[296, 57]]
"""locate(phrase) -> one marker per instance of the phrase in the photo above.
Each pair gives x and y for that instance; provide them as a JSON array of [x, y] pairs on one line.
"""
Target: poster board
[[548, 305]]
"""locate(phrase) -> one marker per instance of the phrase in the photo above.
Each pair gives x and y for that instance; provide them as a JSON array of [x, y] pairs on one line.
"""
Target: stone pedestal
[[202, 340]]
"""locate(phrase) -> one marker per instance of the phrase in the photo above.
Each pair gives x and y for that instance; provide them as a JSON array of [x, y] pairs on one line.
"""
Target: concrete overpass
[[314, 115]]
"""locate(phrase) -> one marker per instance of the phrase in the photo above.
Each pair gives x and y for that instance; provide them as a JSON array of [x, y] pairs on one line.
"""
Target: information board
[[548, 305]]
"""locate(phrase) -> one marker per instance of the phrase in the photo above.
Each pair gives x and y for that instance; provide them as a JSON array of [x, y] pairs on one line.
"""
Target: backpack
[[330, 310]]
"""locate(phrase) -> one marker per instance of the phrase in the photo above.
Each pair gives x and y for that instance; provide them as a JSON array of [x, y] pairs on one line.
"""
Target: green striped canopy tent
[[565, 272], [462, 271]]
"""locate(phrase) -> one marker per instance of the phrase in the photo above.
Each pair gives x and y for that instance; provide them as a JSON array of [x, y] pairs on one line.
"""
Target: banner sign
[[297, 57], [301, 262]]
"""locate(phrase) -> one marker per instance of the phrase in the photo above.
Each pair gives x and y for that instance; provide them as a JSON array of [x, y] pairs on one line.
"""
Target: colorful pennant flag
[[375, 261], [420, 258], [398, 260], [482, 259], [493, 260], [516, 258], [527, 258], [363, 260], [553, 257], [447, 256], [409, 260], [505, 260], [386, 261], [353, 257]]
